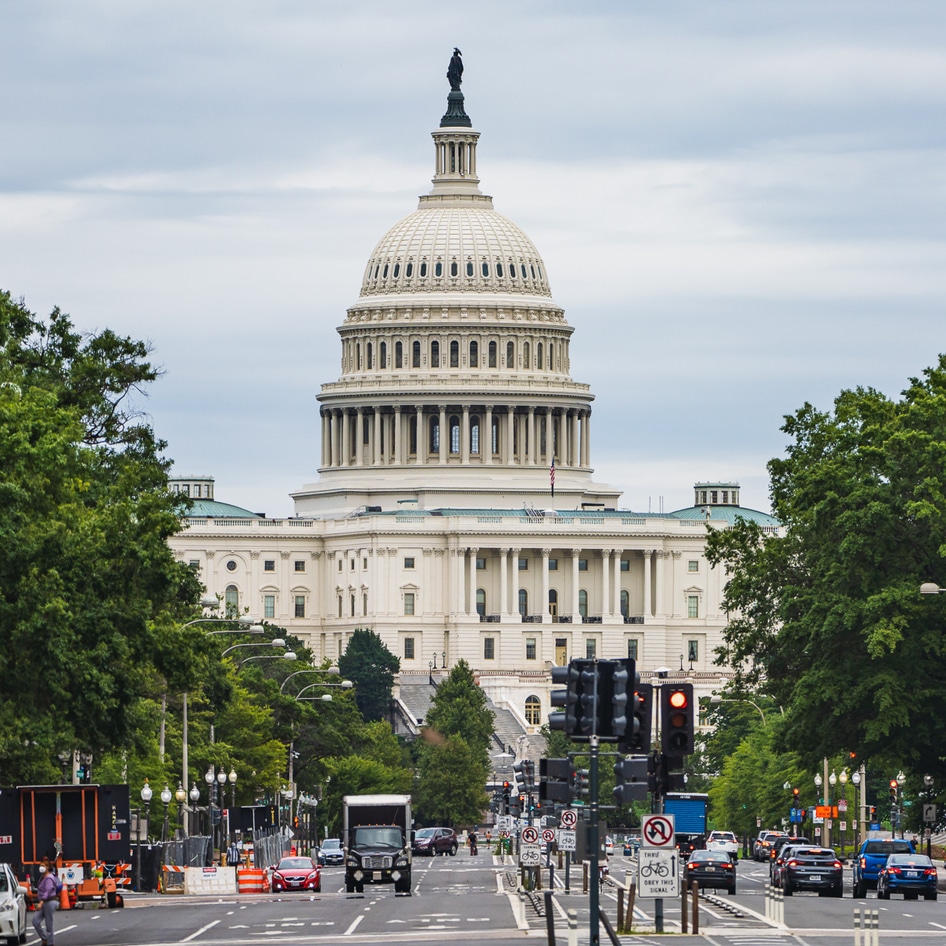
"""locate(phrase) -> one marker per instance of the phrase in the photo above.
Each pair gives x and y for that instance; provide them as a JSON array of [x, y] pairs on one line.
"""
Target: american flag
[[552, 474]]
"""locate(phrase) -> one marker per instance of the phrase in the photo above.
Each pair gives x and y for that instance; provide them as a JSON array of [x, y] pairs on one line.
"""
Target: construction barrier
[[171, 879], [252, 880], [210, 880]]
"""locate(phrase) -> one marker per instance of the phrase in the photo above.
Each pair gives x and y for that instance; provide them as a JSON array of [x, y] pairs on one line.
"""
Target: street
[[469, 900]]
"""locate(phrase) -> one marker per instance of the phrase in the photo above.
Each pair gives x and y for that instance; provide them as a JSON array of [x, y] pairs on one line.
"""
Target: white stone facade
[[433, 520]]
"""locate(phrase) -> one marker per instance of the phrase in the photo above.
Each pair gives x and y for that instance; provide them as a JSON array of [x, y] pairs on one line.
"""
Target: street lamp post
[[166, 801], [146, 794], [832, 783], [221, 781], [194, 796], [716, 698], [181, 797], [929, 816], [859, 819], [211, 783], [842, 778], [901, 778], [232, 777], [819, 781]]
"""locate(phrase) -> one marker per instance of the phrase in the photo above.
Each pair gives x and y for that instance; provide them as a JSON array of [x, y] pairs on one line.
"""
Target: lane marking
[[200, 932], [351, 929]]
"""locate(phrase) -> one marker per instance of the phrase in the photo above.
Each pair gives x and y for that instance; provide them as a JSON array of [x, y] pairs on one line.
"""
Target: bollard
[[696, 908], [857, 927], [572, 928], [584, 877], [631, 896], [684, 906], [549, 917], [620, 909], [873, 925], [780, 906]]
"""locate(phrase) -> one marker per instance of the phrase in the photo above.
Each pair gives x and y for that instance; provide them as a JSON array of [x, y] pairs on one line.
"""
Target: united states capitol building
[[455, 511]]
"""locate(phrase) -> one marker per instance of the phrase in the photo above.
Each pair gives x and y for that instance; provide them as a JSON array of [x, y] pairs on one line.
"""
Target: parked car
[[724, 841], [433, 841], [870, 860], [812, 868], [714, 869], [331, 852], [296, 873], [909, 874], [13, 925], [609, 846]]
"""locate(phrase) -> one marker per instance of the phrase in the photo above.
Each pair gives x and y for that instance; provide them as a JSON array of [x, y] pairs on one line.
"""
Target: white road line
[[351, 929], [200, 932]]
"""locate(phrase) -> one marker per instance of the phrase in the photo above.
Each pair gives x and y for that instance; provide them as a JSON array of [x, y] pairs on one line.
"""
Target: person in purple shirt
[[48, 895]]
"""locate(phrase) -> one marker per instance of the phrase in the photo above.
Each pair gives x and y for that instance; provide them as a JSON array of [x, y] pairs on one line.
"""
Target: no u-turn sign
[[657, 831]]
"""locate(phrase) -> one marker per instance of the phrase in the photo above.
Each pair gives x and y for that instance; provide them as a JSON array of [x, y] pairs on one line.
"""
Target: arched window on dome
[[492, 354], [434, 436], [474, 355], [454, 269], [454, 354], [510, 355], [551, 359], [512, 270], [369, 353], [533, 711], [499, 270], [454, 433], [539, 363], [532, 267], [398, 355], [438, 268], [494, 436], [485, 268], [409, 270], [423, 270], [523, 602], [475, 435], [435, 354], [384, 272], [522, 268], [526, 356], [415, 359], [397, 270], [383, 356]]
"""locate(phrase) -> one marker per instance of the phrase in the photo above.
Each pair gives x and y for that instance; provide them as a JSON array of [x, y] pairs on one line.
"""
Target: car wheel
[[837, 891], [883, 894], [318, 889], [787, 889], [929, 896], [860, 890], [453, 850], [732, 890]]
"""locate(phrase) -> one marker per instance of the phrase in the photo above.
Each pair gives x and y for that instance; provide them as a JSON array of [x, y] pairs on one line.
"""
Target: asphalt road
[[467, 900]]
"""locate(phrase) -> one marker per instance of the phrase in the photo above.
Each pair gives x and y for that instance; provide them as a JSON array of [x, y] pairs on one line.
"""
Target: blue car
[[909, 874]]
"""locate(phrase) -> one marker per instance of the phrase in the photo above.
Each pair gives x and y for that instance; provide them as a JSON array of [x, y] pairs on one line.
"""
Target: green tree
[[446, 792], [827, 618], [371, 667], [85, 570], [354, 775], [459, 708]]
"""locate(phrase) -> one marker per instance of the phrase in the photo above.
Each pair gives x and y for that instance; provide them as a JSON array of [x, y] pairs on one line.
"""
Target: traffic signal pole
[[593, 830]]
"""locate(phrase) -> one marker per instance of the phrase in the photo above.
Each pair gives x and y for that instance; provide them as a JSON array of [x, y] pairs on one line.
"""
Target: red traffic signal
[[676, 718]]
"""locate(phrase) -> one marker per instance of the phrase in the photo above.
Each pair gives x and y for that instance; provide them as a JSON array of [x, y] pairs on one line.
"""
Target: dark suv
[[433, 841], [780, 847], [812, 868]]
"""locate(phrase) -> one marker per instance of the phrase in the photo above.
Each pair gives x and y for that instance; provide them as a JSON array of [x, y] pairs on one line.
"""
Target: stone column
[[605, 583], [471, 590], [346, 439], [576, 616], [531, 437], [573, 423], [586, 438], [510, 432], [359, 434], [563, 439], [486, 446], [503, 581], [465, 436], [398, 435], [544, 609], [659, 578], [647, 604], [444, 434]]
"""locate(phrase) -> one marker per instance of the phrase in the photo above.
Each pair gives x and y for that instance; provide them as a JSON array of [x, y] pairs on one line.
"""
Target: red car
[[297, 873]]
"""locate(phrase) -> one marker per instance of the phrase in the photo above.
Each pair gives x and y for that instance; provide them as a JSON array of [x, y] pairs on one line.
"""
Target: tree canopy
[[371, 667], [827, 618]]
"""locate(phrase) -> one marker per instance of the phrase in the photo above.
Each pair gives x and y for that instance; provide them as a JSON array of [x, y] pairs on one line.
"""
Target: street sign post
[[530, 855]]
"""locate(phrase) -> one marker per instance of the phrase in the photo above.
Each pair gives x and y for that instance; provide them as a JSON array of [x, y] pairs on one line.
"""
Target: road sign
[[530, 855], [657, 872], [504, 823], [657, 831], [548, 835], [569, 818], [929, 812], [567, 840], [530, 835]]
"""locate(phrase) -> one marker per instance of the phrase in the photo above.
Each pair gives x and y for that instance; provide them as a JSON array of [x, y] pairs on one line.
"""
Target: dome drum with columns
[[433, 520]]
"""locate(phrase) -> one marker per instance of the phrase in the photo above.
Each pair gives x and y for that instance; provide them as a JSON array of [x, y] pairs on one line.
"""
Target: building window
[[408, 648], [583, 564], [632, 648], [625, 603], [693, 606], [194, 563], [591, 648], [435, 354], [364, 605], [693, 566], [269, 565], [299, 565], [269, 606], [415, 354], [553, 602], [533, 711], [481, 601], [625, 565], [351, 606], [553, 564], [489, 648], [300, 606], [530, 648], [523, 564], [454, 434], [583, 603], [454, 354], [339, 605], [409, 603], [474, 355], [409, 562], [510, 355], [492, 354], [399, 354], [364, 564], [481, 564], [231, 566], [523, 602], [693, 651], [231, 600], [351, 565]]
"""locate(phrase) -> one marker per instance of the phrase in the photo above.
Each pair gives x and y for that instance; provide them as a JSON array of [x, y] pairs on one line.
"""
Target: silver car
[[13, 926]]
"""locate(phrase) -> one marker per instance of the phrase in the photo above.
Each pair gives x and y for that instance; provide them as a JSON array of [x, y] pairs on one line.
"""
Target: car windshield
[[887, 847], [708, 856], [904, 860], [295, 863], [425, 833], [331, 844], [4, 888], [723, 836], [377, 837]]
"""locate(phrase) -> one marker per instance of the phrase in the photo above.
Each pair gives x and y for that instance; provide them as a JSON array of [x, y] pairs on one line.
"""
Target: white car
[[724, 841], [13, 926]]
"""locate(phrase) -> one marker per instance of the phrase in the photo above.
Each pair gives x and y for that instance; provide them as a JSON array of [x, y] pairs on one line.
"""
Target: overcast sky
[[741, 205]]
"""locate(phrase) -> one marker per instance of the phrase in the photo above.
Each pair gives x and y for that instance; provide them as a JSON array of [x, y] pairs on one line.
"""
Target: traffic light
[[795, 801], [676, 718], [524, 773], [566, 720], [506, 788], [893, 791], [631, 780], [640, 734], [615, 692], [554, 778], [580, 783]]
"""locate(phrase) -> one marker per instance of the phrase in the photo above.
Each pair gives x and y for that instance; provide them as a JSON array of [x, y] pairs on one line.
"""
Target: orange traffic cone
[[64, 902]]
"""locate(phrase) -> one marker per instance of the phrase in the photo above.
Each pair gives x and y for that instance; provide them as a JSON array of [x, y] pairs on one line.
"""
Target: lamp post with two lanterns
[[194, 795]]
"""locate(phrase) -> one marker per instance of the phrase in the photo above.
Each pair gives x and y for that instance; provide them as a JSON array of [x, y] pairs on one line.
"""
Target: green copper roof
[[726, 513], [211, 509]]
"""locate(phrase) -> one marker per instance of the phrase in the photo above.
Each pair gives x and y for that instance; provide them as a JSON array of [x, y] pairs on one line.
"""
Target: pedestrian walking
[[48, 895], [233, 854], [472, 842]]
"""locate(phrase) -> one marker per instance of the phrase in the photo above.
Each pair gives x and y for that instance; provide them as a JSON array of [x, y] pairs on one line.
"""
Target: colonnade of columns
[[400, 435]]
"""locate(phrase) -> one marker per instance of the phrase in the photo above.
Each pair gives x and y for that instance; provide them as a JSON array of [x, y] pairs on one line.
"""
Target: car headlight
[[401, 861]]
